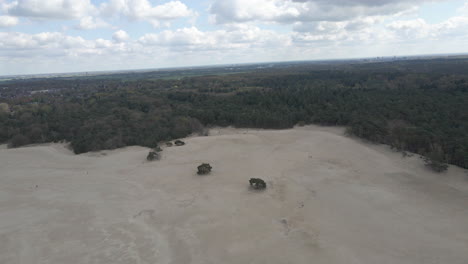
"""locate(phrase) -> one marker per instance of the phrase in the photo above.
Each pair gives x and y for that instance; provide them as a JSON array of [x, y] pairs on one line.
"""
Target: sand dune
[[330, 199]]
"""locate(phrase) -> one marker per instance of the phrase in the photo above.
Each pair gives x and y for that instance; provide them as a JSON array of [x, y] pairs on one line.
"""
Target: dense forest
[[413, 105]]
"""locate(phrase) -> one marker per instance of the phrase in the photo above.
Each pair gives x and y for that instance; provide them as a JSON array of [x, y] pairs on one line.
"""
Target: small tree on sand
[[203, 169], [257, 184], [153, 155]]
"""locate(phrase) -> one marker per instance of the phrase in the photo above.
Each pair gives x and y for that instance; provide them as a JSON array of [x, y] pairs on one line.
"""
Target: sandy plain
[[330, 199]]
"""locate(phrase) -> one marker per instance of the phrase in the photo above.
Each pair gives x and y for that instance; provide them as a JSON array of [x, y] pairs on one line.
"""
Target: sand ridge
[[330, 199]]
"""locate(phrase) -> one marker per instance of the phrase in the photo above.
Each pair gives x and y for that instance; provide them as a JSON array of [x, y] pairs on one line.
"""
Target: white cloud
[[416, 28], [50, 9], [180, 37], [333, 26], [11, 42], [103, 43], [291, 11], [5, 5], [8, 21], [358, 32], [91, 17], [233, 37], [228, 11], [90, 22], [120, 36], [50, 44], [464, 9], [143, 10], [453, 28], [297, 29]]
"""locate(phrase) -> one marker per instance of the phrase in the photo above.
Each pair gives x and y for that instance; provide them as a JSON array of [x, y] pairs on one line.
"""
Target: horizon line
[[111, 72]]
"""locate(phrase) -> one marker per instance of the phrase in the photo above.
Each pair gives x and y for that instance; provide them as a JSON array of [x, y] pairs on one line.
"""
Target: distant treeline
[[422, 110]]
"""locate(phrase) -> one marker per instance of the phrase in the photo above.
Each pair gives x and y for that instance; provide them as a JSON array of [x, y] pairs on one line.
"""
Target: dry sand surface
[[330, 199]]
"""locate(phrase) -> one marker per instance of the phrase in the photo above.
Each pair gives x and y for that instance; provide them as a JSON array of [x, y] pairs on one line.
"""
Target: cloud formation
[[8, 21], [453, 28], [290, 11], [70, 35], [236, 37], [50, 9], [120, 36], [92, 16], [143, 10], [89, 22]]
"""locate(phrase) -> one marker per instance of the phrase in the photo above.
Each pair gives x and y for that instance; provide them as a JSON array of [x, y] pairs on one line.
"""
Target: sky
[[55, 36]]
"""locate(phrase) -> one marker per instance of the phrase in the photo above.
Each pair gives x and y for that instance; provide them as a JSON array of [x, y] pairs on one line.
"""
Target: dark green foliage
[[18, 141], [257, 184], [407, 104], [435, 165], [204, 168], [435, 160]]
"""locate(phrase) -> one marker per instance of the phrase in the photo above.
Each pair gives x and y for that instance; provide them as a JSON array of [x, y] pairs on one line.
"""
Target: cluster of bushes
[[255, 183]]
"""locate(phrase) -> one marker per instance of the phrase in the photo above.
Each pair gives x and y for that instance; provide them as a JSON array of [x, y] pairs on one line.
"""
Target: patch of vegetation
[[153, 155], [257, 184], [179, 143], [18, 141], [435, 165], [204, 169]]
